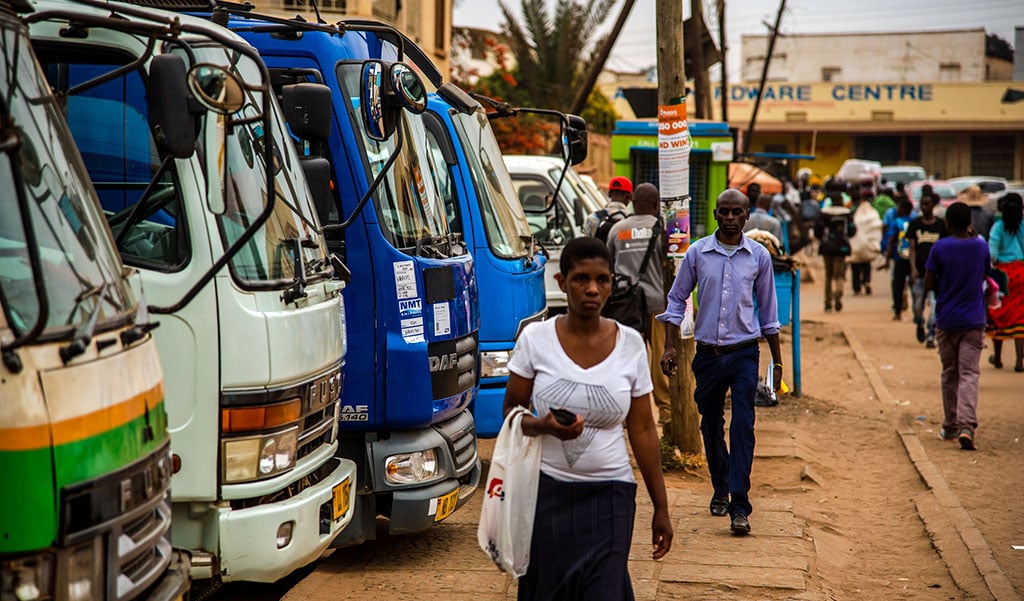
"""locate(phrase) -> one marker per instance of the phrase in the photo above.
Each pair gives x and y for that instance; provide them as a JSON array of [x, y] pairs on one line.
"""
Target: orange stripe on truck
[[80, 427]]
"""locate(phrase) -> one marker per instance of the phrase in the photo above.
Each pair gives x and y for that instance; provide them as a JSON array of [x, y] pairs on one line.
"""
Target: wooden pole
[[685, 431], [701, 92], [764, 78], [725, 49]]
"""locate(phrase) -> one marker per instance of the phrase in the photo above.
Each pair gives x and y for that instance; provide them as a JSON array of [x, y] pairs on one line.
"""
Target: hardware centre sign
[[837, 92]]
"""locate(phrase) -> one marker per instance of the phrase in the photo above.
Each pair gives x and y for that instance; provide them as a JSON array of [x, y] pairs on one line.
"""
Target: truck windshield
[[80, 267], [408, 204], [269, 256], [508, 232]]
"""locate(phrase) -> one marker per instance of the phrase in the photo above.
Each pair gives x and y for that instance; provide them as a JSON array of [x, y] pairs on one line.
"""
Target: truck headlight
[[494, 364], [85, 571], [259, 456], [412, 468], [28, 578]]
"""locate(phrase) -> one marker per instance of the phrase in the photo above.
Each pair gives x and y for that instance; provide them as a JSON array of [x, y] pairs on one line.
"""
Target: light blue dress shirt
[[727, 284]]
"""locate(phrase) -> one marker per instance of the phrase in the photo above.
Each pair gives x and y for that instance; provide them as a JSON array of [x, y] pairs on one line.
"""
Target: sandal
[[997, 363]]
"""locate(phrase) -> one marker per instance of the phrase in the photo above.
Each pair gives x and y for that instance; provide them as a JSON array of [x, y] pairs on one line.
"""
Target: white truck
[[253, 358]]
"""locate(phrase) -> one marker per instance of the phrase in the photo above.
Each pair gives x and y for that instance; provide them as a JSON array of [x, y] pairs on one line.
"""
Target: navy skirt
[[581, 538]]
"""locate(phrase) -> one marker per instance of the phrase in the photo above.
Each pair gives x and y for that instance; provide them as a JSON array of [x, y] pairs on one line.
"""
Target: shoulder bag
[[628, 303]]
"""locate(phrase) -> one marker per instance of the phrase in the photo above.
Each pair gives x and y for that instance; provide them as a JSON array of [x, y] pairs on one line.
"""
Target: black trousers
[[900, 275], [861, 275]]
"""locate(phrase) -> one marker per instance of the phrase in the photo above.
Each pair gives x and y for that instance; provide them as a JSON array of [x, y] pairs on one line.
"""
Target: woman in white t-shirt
[[596, 369]]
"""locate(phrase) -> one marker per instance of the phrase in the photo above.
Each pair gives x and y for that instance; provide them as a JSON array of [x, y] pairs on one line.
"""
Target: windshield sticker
[[412, 329], [405, 279], [442, 320], [410, 308]]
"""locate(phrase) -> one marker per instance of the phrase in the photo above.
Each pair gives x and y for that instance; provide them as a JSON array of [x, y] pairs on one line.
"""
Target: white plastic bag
[[510, 497]]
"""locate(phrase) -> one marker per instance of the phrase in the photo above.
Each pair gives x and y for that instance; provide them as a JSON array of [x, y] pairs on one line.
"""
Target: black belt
[[724, 349]]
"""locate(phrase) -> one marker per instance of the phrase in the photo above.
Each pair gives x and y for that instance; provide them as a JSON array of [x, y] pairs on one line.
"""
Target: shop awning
[[742, 175]]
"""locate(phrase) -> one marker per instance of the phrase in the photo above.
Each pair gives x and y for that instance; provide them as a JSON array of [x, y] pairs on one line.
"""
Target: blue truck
[[509, 266], [412, 309]]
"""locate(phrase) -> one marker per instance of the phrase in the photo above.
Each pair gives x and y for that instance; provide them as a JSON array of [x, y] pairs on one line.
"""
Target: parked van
[[211, 205], [553, 223], [85, 464]]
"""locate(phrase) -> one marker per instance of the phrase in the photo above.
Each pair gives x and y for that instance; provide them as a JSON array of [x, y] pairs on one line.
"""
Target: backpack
[[605, 222]]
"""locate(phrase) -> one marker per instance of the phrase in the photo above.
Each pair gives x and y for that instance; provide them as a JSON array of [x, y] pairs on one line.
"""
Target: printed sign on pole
[[674, 177]]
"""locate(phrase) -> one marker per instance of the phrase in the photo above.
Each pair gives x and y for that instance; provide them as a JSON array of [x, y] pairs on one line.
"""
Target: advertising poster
[[674, 151], [674, 167], [677, 228]]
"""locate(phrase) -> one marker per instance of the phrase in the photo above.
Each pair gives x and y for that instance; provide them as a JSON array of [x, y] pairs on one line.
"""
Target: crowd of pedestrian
[[602, 375], [950, 259]]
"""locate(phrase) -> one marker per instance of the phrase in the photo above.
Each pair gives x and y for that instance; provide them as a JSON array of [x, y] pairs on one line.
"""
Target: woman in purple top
[[955, 270]]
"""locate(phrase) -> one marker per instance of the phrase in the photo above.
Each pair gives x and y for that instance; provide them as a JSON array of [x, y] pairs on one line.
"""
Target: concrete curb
[[941, 509]]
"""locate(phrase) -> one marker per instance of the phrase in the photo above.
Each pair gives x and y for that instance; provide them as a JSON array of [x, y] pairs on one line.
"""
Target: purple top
[[727, 284], [959, 265]]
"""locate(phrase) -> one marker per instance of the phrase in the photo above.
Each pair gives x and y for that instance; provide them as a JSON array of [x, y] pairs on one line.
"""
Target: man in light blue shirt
[[736, 298]]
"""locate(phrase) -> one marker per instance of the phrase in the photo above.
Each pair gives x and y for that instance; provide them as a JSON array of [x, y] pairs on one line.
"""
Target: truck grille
[[141, 551], [460, 433], [453, 366]]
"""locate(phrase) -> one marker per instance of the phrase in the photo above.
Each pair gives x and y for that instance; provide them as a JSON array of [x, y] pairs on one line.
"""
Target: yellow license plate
[[446, 505], [342, 494]]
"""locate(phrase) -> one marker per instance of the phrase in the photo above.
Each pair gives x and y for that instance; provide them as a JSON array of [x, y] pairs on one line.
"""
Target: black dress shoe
[[719, 506], [740, 524]]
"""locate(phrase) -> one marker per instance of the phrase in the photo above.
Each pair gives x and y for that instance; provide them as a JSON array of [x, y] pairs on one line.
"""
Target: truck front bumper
[[249, 545]]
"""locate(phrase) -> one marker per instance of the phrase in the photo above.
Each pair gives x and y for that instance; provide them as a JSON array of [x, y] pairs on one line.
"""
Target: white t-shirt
[[602, 394]]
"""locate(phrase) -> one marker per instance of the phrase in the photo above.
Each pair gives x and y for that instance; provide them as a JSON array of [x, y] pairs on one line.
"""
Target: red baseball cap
[[620, 183]]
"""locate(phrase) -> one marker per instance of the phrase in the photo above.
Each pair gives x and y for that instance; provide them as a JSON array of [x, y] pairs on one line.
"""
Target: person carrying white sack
[[595, 371], [865, 245]]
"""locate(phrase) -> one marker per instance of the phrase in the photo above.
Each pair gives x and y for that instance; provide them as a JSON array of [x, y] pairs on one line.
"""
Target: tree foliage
[[552, 51], [542, 66]]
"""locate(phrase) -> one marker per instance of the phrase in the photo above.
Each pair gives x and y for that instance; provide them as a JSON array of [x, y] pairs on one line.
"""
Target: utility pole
[[725, 51], [685, 430], [590, 78], [764, 77], [701, 93]]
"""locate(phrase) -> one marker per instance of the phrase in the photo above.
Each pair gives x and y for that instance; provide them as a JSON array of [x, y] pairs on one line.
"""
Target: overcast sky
[[635, 48]]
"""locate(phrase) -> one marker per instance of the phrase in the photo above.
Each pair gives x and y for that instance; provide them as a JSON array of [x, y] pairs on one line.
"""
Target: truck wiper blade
[[432, 244], [83, 334]]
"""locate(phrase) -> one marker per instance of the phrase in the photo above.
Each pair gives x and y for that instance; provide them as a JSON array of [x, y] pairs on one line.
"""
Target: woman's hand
[[661, 533], [549, 425]]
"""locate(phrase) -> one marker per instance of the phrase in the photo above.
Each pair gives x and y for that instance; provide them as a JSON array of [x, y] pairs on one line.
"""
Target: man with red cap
[[620, 193]]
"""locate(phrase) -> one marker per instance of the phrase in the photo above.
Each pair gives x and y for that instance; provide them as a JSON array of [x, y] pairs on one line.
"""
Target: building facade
[[942, 100]]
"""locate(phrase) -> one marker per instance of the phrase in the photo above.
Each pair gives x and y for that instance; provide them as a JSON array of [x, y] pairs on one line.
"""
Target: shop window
[[949, 71]]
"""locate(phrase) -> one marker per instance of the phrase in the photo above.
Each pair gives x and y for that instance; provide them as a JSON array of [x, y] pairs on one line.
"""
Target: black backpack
[[605, 223]]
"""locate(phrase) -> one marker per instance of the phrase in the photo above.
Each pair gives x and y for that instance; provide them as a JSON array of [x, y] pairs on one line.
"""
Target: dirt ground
[[833, 459]]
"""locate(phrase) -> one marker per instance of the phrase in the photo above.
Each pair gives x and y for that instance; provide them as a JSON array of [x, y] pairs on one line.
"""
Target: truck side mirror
[[574, 139], [386, 89], [407, 89], [216, 88], [174, 129], [371, 102], [307, 109], [318, 176]]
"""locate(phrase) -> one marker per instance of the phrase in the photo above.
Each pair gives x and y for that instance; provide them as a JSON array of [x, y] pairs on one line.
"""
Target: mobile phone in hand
[[563, 416]]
